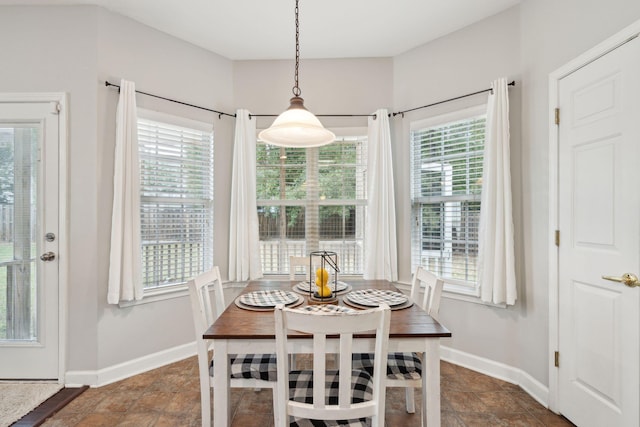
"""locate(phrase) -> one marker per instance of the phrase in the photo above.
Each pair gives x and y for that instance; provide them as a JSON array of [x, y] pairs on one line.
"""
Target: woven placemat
[[306, 287], [327, 308], [373, 297], [243, 306], [407, 304], [268, 298]]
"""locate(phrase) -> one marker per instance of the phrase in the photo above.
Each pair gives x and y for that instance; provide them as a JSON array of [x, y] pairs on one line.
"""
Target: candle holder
[[322, 289]]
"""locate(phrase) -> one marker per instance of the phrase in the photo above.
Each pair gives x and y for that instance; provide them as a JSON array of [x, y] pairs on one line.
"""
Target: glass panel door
[[18, 191], [29, 238]]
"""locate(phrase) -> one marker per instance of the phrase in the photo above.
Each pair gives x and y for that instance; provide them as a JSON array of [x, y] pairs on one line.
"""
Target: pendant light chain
[[297, 127], [296, 88]]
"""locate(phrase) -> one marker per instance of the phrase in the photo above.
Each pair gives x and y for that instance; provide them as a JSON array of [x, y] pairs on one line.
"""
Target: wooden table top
[[238, 323]]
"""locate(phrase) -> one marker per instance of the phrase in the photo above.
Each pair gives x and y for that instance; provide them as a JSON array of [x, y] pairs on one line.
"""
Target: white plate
[[304, 286], [373, 297], [268, 298]]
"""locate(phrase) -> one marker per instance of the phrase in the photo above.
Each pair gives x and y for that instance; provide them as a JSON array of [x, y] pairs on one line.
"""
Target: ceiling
[[265, 29]]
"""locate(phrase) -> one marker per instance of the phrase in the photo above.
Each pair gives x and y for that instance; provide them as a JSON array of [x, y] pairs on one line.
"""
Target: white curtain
[[244, 239], [125, 267], [496, 260], [381, 259]]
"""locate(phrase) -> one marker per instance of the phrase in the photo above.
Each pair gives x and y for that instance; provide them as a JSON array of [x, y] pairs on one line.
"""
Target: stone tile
[[256, 402], [550, 419], [138, 420], [461, 401], [63, 420], [522, 419], [395, 400], [170, 396], [99, 420], [500, 402], [402, 419], [252, 420], [138, 382], [118, 401], [86, 402], [169, 420], [184, 402], [450, 419], [472, 419], [152, 402], [528, 402]]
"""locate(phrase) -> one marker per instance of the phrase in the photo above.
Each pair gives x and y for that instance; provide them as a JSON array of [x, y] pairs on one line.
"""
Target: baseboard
[[128, 369], [498, 370]]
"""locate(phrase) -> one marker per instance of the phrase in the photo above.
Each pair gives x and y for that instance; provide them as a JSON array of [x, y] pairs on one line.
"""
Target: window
[[312, 199], [446, 183], [176, 198]]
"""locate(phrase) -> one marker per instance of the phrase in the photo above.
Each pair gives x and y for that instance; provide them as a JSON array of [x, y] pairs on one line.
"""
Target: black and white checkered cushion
[[301, 390], [258, 366], [402, 366]]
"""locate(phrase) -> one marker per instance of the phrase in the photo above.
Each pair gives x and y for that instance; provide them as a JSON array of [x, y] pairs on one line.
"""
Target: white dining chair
[[298, 261], [352, 396], [247, 370], [405, 369]]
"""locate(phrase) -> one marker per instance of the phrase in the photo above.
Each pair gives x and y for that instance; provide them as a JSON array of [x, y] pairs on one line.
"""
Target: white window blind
[[176, 209], [446, 183], [312, 199]]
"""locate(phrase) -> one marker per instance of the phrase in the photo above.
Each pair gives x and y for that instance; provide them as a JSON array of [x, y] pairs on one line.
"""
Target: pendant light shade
[[297, 126]]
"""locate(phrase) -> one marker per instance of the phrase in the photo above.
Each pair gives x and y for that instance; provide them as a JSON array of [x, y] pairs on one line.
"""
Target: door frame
[[610, 44], [61, 98]]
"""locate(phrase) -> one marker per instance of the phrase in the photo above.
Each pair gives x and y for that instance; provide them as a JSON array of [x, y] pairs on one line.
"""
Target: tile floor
[[170, 396]]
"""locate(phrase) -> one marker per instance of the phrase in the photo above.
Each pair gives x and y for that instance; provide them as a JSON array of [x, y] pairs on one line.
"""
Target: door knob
[[631, 280], [48, 256]]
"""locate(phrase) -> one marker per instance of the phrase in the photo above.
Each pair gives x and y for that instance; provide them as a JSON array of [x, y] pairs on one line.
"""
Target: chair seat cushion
[[257, 366], [301, 390], [401, 366]]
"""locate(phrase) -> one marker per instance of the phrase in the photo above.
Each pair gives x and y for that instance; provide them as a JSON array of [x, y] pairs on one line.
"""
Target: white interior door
[[29, 298], [599, 223]]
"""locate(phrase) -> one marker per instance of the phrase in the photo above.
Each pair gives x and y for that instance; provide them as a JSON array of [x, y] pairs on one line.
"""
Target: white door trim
[[625, 35], [63, 246]]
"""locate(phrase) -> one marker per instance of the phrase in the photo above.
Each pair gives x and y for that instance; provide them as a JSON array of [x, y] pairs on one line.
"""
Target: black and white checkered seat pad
[[301, 390], [402, 366], [258, 366]]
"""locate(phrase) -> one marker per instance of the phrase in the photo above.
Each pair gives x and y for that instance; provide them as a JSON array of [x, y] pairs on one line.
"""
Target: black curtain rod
[[513, 83], [219, 113], [318, 115]]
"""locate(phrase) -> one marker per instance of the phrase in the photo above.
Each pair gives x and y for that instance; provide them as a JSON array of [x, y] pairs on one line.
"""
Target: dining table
[[240, 330]]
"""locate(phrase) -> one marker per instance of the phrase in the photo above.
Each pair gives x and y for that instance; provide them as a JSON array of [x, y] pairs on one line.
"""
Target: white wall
[[162, 65], [552, 33], [74, 49], [338, 86], [525, 43], [54, 50], [460, 63]]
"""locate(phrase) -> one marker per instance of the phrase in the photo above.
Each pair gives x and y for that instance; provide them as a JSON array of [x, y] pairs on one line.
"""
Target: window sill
[[455, 293], [158, 294], [170, 292]]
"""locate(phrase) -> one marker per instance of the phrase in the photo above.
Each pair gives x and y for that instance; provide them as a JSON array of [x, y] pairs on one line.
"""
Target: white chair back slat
[[345, 325], [298, 261], [430, 301]]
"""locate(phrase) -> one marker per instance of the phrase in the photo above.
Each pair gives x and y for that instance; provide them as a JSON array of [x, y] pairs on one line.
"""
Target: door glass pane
[[18, 192]]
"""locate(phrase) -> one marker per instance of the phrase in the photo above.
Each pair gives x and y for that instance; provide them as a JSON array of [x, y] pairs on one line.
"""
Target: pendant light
[[297, 126]]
